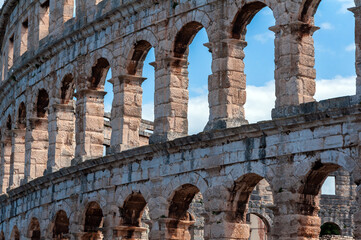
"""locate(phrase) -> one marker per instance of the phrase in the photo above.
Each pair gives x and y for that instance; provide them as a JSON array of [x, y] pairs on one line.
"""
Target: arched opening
[[132, 213], [134, 131], [34, 232], [255, 45], [61, 225], [67, 89], [9, 123], [98, 74], [191, 66], [15, 234], [329, 228], [133, 209], [42, 103], [180, 217], [259, 227], [108, 103], [2, 235], [93, 221], [21, 124], [316, 205], [250, 193], [334, 46]]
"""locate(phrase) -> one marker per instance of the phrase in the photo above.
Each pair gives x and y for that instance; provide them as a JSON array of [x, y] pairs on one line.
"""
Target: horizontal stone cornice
[[201, 140]]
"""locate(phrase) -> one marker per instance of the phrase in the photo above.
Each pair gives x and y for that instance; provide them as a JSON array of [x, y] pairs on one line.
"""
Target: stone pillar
[[128, 232], [36, 148], [227, 85], [171, 229], [357, 215], [61, 137], [294, 220], [87, 236], [357, 13], [89, 124], [5, 160], [126, 112], [171, 99], [294, 57], [17, 163]]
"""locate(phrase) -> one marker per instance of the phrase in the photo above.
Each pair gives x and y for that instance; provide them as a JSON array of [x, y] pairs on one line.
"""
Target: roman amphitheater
[[234, 180]]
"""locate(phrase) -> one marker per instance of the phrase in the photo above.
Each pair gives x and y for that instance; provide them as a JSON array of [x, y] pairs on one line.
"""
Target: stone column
[[89, 124], [294, 57], [357, 13], [357, 215], [36, 148], [170, 229], [61, 137], [227, 84], [17, 163], [294, 220], [126, 112], [171, 99], [5, 160]]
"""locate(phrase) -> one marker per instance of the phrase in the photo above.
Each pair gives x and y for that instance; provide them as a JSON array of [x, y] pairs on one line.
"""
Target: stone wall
[[55, 181]]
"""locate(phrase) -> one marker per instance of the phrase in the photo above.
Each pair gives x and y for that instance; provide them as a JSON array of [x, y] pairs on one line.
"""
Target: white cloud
[[260, 101], [264, 37], [326, 26], [345, 4], [148, 111], [336, 87], [350, 48]]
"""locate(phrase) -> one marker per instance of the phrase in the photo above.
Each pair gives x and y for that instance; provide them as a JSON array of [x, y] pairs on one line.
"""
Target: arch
[[42, 103], [61, 225], [137, 57], [185, 37], [98, 73], [308, 10], [67, 89], [34, 232], [240, 195], [2, 235], [93, 218], [15, 234], [243, 17], [180, 202], [330, 228], [21, 123], [132, 210], [311, 186]]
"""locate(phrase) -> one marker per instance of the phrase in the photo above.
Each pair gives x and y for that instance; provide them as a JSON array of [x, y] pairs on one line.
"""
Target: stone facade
[[57, 183]]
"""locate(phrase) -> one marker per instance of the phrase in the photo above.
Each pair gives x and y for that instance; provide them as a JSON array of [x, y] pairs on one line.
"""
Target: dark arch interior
[[8, 123], [67, 89], [132, 210], [141, 50], [244, 17], [240, 195], [15, 234], [34, 230], [61, 226], [312, 186], [181, 200], [42, 103], [93, 217], [22, 116], [185, 37], [309, 9], [99, 72], [330, 228], [2, 235]]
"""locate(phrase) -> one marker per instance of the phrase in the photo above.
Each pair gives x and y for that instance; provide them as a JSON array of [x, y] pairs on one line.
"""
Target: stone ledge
[[204, 139]]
